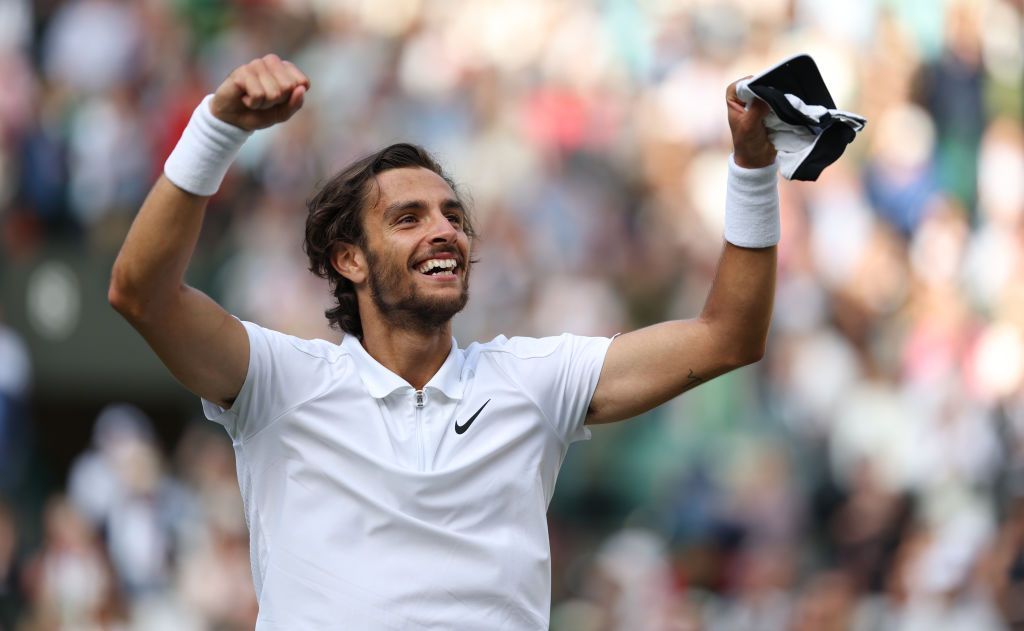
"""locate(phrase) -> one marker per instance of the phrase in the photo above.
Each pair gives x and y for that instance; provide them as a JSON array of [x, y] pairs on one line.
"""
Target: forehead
[[411, 184]]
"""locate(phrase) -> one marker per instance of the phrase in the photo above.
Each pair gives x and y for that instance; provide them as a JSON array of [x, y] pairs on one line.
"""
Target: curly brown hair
[[336, 216]]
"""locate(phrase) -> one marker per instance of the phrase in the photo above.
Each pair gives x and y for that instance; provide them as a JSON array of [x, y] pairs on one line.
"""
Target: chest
[[481, 462], [491, 430]]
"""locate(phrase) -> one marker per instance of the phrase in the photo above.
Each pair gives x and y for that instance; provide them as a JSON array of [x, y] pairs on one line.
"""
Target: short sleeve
[[270, 387], [560, 374]]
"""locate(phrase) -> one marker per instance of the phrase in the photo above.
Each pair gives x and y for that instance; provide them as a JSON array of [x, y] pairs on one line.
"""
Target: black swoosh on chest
[[461, 429]]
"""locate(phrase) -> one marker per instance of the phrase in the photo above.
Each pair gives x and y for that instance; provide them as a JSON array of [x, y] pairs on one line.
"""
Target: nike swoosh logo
[[461, 429]]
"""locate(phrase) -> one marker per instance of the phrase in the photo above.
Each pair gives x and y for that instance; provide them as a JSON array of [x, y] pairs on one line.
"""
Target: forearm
[[739, 305], [151, 264]]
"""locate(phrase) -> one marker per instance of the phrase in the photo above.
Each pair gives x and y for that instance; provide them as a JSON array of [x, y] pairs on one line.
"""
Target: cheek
[[398, 258], [392, 262]]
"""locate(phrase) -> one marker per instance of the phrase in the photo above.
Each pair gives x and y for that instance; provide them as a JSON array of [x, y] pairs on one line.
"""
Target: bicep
[[204, 347], [647, 367]]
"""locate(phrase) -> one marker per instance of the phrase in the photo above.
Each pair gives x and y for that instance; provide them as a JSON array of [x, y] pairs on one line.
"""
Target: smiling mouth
[[438, 267]]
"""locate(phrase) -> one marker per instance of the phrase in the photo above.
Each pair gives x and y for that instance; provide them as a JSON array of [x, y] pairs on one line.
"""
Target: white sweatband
[[206, 149], [752, 206]]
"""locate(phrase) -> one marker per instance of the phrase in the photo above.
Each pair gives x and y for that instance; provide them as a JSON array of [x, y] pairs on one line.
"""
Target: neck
[[413, 355]]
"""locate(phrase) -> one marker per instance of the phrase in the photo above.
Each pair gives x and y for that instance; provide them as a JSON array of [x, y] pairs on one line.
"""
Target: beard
[[400, 302]]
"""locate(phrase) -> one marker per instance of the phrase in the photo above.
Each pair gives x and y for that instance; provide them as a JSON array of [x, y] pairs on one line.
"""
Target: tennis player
[[396, 480]]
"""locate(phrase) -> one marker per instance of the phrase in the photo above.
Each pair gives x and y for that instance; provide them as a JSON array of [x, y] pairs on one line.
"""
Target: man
[[396, 481]]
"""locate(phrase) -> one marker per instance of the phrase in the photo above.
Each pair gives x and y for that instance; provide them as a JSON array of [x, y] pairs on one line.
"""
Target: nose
[[441, 230]]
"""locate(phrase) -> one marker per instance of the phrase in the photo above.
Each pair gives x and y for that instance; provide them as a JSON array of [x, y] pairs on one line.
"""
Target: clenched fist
[[263, 92], [751, 146]]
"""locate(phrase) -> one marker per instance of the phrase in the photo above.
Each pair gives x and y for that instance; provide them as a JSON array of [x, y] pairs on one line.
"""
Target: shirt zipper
[[419, 425]]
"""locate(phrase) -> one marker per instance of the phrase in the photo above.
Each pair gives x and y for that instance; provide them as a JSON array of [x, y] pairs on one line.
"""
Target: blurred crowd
[[867, 474]]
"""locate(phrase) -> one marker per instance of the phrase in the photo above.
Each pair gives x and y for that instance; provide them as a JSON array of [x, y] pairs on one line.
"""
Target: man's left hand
[[751, 147]]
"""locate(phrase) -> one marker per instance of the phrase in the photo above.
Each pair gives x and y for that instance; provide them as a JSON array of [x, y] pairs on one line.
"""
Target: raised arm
[[646, 368], [203, 346]]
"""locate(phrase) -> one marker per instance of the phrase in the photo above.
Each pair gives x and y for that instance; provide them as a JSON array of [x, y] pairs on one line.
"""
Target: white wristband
[[752, 206], [206, 149]]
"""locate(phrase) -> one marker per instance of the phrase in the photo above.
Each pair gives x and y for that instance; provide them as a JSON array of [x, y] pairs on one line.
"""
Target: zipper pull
[[419, 398]]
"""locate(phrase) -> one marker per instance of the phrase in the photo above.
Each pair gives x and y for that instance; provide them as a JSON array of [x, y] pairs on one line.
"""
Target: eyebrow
[[417, 204]]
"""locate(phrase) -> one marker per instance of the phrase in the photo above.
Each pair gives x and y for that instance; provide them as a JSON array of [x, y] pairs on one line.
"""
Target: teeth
[[444, 264]]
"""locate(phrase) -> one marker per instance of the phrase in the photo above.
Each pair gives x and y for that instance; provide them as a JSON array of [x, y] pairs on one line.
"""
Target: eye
[[455, 218], [406, 219]]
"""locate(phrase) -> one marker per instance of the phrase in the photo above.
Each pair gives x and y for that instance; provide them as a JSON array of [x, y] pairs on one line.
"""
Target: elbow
[[139, 299], [754, 351], [746, 354], [738, 347], [120, 300], [121, 297], [754, 355]]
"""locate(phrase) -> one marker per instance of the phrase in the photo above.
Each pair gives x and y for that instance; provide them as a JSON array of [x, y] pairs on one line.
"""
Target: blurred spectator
[[1004, 570], [92, 46], [214, 574], [827, 603], [69, 581], [120, 487], [952, 92], [15, 382], [10, 591]]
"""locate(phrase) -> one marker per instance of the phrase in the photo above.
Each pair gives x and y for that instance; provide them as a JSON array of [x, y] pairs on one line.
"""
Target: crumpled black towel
[[807, 130]]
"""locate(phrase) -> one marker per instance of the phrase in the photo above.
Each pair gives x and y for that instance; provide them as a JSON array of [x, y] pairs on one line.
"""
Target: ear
[[348, 260]]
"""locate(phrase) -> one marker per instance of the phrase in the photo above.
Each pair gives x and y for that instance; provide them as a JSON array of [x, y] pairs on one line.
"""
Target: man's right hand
[[263, 92]]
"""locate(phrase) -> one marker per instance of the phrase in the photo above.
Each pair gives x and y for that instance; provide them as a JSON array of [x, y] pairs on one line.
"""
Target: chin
[[420, 312], [443, 309]]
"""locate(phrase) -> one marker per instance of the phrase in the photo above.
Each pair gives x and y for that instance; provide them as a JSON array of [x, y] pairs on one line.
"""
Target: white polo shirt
[[373, 506]]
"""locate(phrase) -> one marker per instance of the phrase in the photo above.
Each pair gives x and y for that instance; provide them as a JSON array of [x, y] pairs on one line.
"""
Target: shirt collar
[[380, 382]]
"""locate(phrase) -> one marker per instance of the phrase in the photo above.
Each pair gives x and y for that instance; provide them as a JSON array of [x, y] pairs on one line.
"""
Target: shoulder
[[541, 358], [285, 346], [520, 347], [536, 355]]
